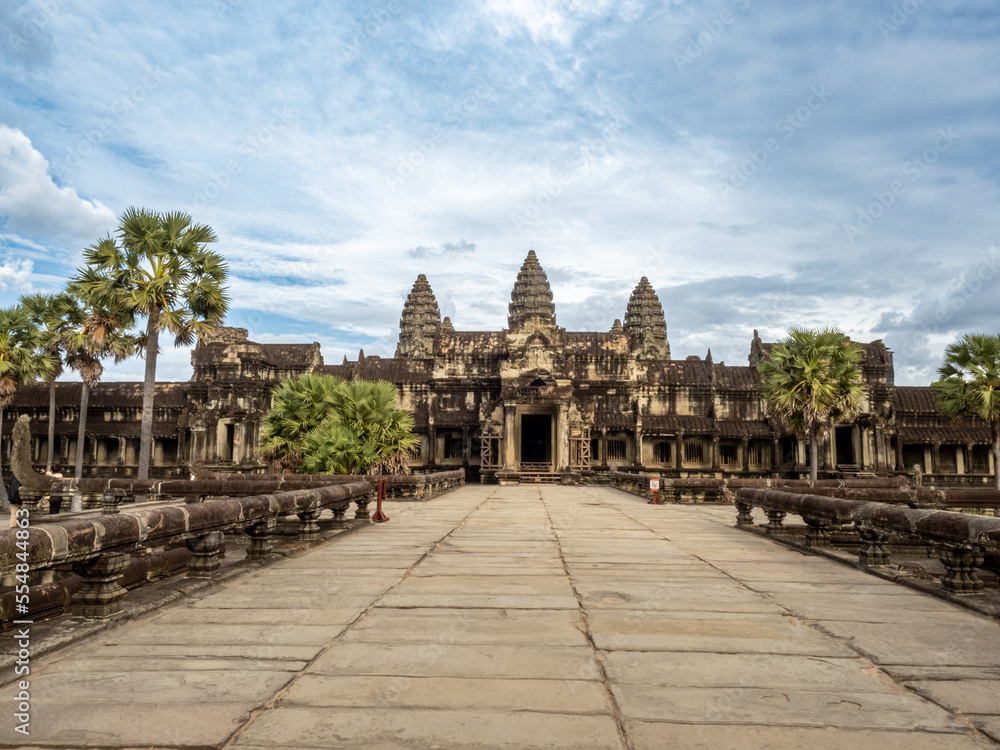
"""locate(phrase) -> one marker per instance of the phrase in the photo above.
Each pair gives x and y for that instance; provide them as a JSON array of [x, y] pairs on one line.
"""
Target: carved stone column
[[872, 551], [261, 541], [338, 517], [817, 533], [775, 521], [101, 594], [715, 453], [361, 514], [746, 455], [309, 531], [961, 562], [110, 501], [204, 554], [744, 512]]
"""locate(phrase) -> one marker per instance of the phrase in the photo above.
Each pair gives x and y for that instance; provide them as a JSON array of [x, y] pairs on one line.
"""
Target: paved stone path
[[525, 617]]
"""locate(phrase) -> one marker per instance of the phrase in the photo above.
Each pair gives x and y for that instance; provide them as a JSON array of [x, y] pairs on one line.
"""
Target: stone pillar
[[204, 554], [936, 457], [561, 458], [746, 455], [872, 551], [261, 542], [361, 514], [309, 531], [817, 533], [961, 562], [715, 453], [775, 521], [110, 501], [338, 517], [101, 594], [744, 512], [775, 454], [899, 453], [466, 446], [679, 458], [431, 444], [509, 438]]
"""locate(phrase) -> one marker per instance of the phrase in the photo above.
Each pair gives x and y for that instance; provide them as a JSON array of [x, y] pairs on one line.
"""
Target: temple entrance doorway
[[536, 439], [845, 446]]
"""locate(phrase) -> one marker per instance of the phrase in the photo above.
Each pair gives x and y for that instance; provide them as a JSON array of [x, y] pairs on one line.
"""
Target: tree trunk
[[996, 454], [81, 435], [4, 500], [148, 391], [813, 455], [52, 425]]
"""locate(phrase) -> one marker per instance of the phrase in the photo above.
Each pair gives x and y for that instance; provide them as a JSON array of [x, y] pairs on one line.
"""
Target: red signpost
[[378, 516], [654, 485]]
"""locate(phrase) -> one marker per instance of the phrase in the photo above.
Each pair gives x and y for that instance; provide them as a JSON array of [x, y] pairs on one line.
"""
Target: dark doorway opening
[[845, 446], [536, 439]]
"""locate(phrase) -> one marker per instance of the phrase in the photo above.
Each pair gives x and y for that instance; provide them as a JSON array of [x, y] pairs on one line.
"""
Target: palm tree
[[157, 267], [970, 385], [23, 358], [324, 425], [810, 381], [100, 333], [54, 315]]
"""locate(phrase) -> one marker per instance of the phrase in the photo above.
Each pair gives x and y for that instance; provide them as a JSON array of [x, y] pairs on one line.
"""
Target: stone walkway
[[534, 617]]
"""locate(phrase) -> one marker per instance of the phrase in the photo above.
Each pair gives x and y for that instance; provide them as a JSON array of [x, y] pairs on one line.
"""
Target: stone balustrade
[[960, 540], [99, 549]]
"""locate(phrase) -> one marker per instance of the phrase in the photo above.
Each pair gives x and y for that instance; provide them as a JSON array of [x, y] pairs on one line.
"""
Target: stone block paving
[[534, 617]]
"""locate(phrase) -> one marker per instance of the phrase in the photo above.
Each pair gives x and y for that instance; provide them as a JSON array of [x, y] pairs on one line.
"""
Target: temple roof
[[531, 297], [419, 321], [645, 324]]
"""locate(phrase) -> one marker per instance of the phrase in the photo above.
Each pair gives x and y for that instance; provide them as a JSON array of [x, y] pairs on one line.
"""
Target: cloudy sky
[[764, 164]]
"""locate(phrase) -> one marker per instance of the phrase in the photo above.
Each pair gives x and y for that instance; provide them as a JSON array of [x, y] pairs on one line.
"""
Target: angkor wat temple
[[532, 401]]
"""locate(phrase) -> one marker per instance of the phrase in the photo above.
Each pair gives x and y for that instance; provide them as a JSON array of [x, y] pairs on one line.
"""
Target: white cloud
[[34, 205], [15, 275]]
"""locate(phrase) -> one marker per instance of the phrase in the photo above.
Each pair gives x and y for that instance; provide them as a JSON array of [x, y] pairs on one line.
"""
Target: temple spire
[[419, 322], [531, 297], [645, 324]]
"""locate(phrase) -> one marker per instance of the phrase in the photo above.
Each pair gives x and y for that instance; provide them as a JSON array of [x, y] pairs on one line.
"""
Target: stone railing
[[896, 490], [109, 494], [99, 549], [962, 541], [398, 486]]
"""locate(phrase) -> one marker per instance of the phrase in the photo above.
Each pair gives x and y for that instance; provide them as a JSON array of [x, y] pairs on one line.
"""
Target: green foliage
[[23, 354], [970, 384], [970, 379], [321, 424], [812, 380], [158, 266]]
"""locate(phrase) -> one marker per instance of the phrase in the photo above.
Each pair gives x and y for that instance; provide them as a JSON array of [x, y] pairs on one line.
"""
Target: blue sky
[[765, 165]]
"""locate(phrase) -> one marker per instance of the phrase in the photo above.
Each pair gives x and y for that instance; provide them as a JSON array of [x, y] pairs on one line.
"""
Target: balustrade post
[[339, 521], [110, 501], [744, 512], [204, 554], [961, 562], [31, 500], [818, 531], [361, 514], [775, 521], [309, 530], [101, 594], [261, 540], [872, 552]]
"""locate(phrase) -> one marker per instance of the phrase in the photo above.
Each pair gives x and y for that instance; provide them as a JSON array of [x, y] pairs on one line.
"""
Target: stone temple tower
[[644, 323], [419, 322], [531, 298]]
